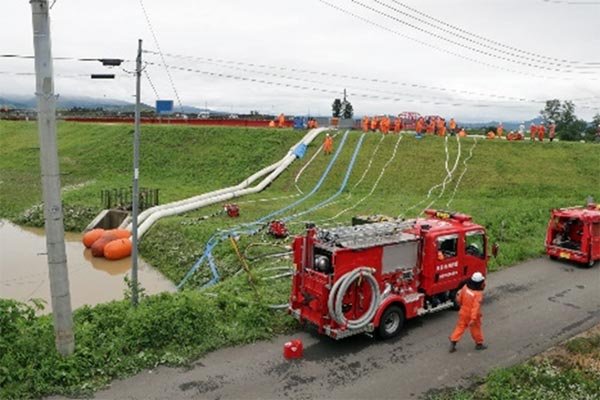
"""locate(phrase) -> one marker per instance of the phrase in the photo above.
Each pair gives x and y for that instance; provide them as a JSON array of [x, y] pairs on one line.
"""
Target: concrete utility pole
[[136, 175], [55, 232]]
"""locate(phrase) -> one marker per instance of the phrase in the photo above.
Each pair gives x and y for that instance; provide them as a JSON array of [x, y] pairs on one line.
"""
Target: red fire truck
[[574, 234], [371, 277]]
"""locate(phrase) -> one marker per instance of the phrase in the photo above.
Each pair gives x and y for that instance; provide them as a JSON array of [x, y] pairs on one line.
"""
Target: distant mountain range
[[508, 125], [66, 103]]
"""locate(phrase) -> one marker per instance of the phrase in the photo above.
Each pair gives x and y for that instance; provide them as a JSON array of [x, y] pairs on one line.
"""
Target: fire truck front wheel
[[391, 322]]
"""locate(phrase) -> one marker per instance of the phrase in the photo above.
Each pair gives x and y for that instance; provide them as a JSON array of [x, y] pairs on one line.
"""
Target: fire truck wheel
[[591, 263], [391, 322]]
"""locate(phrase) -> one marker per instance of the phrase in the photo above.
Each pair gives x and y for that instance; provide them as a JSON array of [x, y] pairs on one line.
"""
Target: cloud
[[309, 35]]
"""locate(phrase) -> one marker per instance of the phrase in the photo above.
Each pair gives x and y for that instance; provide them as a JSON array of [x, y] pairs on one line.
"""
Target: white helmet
[[477, 277]]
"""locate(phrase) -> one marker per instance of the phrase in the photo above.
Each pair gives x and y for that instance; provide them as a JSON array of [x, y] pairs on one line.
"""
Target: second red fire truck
[[371, 277]]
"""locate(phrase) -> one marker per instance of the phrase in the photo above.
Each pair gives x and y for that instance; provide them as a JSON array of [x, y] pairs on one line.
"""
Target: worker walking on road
[[541, 132], [328, 144], [469, 299]]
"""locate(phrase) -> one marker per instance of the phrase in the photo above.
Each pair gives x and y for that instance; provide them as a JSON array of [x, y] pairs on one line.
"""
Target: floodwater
[[24, 269]]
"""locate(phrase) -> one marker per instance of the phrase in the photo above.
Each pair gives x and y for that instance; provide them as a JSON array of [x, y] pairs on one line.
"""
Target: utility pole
[[136, 175], [55, 232]]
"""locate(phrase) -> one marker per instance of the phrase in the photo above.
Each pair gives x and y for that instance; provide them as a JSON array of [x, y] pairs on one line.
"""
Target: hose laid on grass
[[252, 228]]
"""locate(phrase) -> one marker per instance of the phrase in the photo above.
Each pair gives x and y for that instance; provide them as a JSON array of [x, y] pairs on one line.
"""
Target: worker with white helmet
[[469, 299]]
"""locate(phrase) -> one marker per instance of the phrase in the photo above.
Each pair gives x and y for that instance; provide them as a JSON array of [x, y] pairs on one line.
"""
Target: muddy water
[[24, 269]]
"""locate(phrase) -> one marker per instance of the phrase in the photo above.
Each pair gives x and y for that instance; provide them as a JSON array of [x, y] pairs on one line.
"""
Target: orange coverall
[[452, 126], [533, 132], [281, 119], [552, 132], [397, 125], [365, 124], [385, 125], [462, 133], [272, 124], [431, 128], [469, 315], [328, 145], [541, 132], [442, 130], [499, 131], [419, 125], [374, 123]]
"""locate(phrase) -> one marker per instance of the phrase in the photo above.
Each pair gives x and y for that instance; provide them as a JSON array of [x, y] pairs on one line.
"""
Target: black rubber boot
[[480, 346], [452, 348]]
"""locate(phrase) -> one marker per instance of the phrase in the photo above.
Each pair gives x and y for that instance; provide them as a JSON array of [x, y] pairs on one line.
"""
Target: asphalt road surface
[[527, 309]]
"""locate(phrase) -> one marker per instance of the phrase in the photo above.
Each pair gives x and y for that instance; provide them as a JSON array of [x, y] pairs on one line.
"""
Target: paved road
[[527, 309]]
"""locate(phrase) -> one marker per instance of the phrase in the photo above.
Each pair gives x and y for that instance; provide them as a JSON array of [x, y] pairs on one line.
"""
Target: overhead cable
[[431, 19]]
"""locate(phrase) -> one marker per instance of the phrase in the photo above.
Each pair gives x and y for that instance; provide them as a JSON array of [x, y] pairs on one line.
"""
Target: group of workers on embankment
[[438, 126], [536, 132]]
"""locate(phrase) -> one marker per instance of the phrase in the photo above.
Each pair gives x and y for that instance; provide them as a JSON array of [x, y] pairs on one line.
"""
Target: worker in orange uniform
[[442, 129], [438, 125], [490, 135], [419, 125], [452, 126], [365, 124], [552, 130], [281, 120], [533, 130], [462, 133], [328, 144], [374, 124], [431, 127], [500, 130], [397, 125], [469, 299], [385, 125], [541, 132], [272, 124]]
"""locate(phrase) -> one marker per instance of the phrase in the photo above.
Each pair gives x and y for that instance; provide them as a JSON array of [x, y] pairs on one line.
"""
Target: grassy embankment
[[568, 371], [508, 187]]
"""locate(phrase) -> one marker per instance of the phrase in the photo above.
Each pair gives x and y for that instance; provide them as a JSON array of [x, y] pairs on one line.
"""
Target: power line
[[220, 61], [441, 49], [459, 44], [160, 52], [317, 82], [459, 29], [319, 88], [151, 83]]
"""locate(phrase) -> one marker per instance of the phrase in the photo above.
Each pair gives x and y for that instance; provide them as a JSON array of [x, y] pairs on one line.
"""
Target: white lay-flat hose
[[338, 291]]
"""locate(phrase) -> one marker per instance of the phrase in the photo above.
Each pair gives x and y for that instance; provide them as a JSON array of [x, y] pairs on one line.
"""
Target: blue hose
[[254, 227], [342, 187]]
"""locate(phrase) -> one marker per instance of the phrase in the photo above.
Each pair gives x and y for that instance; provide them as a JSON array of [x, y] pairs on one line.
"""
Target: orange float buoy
[[98, 246], [90, 237], [117, 249]]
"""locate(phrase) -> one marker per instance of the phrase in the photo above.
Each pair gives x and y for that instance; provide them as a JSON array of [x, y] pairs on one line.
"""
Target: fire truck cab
[[574, 234], [371, 277]]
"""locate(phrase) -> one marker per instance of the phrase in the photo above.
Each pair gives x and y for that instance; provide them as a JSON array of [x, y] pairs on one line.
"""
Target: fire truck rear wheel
[[591, 263], [391, 322]]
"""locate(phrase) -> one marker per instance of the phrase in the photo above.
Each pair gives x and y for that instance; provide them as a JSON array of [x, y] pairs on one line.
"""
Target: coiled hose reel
[[338, 291]]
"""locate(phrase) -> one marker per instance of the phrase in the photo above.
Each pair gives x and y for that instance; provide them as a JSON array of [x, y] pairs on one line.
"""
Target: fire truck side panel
[[346, 260]]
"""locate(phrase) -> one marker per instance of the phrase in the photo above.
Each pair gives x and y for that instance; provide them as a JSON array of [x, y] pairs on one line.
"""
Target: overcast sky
[[389, 62]]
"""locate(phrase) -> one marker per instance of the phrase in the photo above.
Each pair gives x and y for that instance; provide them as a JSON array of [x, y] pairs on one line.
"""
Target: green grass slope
[[507, 187]]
